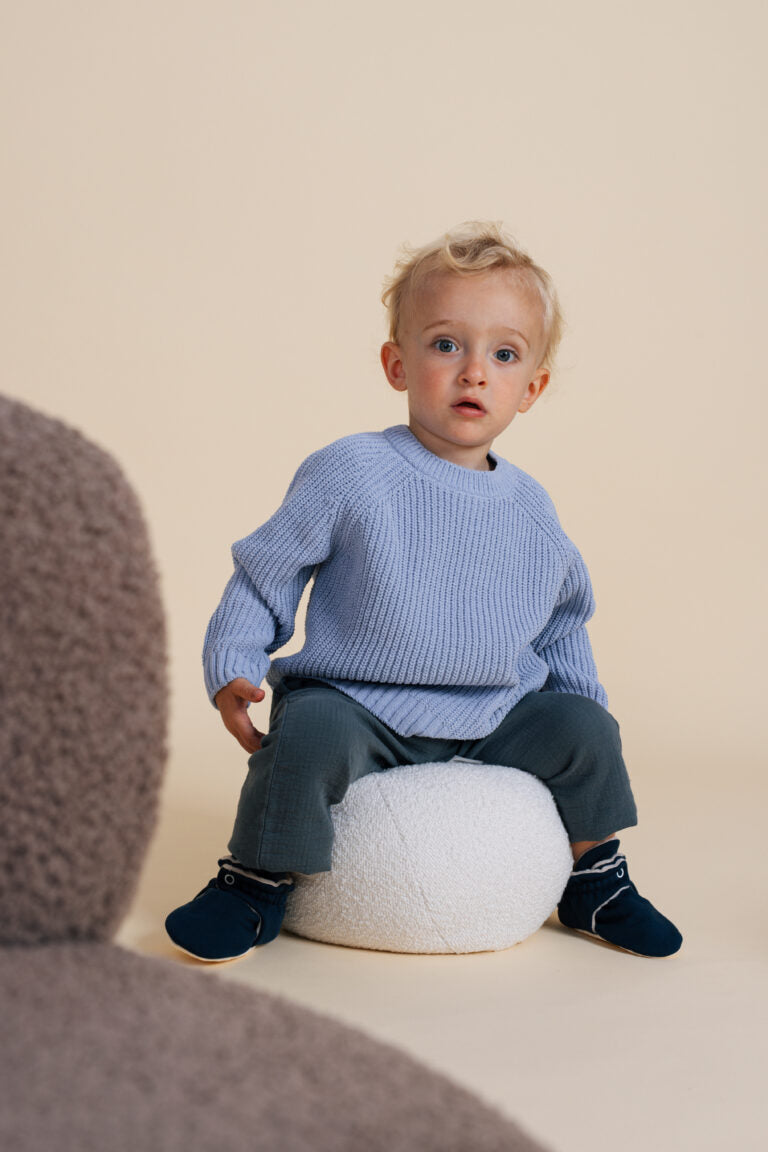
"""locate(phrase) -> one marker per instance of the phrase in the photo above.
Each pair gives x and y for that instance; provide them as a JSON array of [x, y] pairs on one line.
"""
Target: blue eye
[[507, 355], [445, 345]]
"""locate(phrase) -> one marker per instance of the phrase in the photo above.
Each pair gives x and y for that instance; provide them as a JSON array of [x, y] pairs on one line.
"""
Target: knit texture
[[441, 596], [454, 857], [82, 684]]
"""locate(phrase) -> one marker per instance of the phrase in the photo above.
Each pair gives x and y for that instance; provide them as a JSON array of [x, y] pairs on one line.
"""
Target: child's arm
[[257, 611], [564, 642]]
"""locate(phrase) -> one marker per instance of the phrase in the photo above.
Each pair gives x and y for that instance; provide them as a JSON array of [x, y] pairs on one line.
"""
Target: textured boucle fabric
[[453, 857], [82, 683], [104, 1050], [441, 595]]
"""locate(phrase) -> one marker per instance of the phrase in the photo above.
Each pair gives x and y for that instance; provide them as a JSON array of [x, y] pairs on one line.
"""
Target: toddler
[[447, 615]]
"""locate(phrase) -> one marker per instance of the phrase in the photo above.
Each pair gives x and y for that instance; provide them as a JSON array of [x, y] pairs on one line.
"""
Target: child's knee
[[588, 722], [320, 725], [313, 709]]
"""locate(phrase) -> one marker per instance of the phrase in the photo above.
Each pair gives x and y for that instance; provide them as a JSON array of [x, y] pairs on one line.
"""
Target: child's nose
[[473, 371]]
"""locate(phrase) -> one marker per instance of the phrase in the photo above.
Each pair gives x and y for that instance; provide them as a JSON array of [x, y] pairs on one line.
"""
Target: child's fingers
[[245, 690], [233, 701], [239, 724], [248, 738], [237, 692]]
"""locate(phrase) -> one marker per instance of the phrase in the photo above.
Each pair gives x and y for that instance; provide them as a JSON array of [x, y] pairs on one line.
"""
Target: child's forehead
[[443, 290]]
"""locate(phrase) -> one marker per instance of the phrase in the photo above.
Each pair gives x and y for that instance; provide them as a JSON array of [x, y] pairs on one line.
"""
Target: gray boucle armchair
[[102, 1049]]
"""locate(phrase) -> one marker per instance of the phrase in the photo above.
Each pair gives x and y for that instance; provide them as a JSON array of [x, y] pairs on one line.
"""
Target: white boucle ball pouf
[[450, 857]]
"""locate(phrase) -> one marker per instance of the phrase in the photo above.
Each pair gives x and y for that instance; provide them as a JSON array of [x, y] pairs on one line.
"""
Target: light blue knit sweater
[[442, 595]]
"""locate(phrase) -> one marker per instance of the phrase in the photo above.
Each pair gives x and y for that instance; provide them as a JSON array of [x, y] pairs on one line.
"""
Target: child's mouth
[[468, 408]]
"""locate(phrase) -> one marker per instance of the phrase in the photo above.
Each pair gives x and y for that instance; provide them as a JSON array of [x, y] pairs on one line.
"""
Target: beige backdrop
[[200, 203]]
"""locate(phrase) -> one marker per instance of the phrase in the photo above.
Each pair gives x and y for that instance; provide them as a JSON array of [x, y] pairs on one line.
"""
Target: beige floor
[[584, 1045]]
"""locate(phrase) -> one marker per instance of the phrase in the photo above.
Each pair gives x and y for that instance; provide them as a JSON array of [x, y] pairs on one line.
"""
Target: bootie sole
[[211, 959], [618, 947]]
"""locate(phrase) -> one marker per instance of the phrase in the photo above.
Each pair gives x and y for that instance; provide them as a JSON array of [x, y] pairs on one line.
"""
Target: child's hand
[[232, 702]]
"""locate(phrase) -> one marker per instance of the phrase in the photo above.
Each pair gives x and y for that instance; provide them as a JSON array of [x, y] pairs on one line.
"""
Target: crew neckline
[[496, 481]]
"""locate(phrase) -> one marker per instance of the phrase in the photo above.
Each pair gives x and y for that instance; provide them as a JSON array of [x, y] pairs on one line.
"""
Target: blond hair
[[474, 247]]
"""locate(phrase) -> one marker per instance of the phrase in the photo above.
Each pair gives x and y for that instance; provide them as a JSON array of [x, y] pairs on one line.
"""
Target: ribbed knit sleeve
[[564, 643], [256, 615]]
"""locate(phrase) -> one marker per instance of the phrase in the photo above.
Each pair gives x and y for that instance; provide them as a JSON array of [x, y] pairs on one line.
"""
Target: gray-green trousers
[[321, 740]]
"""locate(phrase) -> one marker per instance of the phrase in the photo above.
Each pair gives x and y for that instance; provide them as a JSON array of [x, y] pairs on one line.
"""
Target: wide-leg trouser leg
[[573, 745], [319, 741]]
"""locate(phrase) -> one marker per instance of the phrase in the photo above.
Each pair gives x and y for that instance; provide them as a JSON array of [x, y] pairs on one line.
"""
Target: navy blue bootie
[[231, 915], [601, 900]]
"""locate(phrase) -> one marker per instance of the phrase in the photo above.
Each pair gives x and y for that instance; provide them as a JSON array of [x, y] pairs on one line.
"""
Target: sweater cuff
[[221, 667]]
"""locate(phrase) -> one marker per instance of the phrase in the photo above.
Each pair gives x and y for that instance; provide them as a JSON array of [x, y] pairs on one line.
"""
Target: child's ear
[[534, 390], [393, 365]]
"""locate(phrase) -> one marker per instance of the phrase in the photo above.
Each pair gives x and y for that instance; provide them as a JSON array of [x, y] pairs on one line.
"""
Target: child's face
[[476, 338]]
